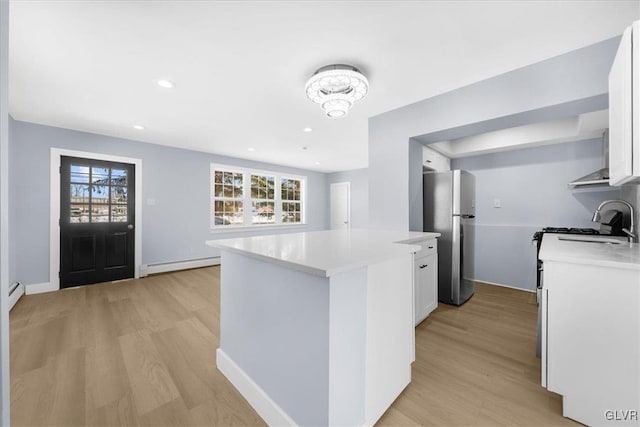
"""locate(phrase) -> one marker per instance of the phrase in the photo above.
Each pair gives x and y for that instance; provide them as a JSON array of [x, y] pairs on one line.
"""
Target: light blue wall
[[359, 188], [174, 229], [4, 212], [565, 85], [531, 184]]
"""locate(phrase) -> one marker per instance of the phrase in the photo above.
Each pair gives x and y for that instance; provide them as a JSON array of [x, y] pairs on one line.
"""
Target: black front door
[[97, 217]]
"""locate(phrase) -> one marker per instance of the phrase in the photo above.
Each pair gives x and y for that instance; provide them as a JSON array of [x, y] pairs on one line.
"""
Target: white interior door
[[340, 212]]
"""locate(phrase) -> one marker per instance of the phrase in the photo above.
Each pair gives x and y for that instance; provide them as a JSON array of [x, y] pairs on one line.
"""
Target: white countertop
[[623, 255], [325, 253]]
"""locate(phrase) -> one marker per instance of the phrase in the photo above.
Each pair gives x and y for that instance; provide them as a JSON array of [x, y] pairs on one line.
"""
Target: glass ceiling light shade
[[336, 88]]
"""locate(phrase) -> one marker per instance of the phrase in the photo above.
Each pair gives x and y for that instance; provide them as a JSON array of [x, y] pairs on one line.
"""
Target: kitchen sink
[[591, 239]]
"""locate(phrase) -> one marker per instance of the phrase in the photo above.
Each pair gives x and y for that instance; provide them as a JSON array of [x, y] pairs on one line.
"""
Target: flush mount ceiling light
[[336, 88], [138, 127]]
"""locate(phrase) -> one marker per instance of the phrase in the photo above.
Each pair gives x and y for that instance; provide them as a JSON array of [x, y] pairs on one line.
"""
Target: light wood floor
[[142, 352]]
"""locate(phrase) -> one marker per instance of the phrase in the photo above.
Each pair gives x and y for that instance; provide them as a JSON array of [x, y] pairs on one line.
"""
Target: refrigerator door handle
[[465, 216]]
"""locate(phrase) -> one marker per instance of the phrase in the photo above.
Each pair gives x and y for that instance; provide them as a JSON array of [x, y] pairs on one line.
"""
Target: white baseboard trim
[[505, 286], [15, 296], [39, 288], [270, 412], [165, 267], [145, 270]]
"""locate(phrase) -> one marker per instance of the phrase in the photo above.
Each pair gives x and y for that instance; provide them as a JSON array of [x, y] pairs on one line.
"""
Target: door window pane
[[118, 194], [79, 193], [79, 213], [99, 194], [99, 213], [100, 175], [118, 177], [119, 213], [79, 173]]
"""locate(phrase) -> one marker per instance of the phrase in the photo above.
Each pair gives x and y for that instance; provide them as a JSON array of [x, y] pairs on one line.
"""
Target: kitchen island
[[591, 327], [316, 328]]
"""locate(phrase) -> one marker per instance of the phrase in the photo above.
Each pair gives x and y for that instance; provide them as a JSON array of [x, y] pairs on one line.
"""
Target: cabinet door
[[635, 70], [544, 325], [620, 116], [431, 284], [426, 286], [435, 161]]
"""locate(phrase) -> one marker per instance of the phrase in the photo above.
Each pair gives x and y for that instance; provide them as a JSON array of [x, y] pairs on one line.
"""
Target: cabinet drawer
[[429, 247]]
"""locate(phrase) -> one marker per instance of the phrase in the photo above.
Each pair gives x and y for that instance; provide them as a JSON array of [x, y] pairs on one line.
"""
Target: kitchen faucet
[[631, 229]]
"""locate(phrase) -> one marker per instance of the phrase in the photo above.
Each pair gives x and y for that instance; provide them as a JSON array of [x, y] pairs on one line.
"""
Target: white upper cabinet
[[435, 161], [624, 109]]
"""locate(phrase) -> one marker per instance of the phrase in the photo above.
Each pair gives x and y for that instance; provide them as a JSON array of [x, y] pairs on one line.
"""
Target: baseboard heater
[[16, 290], [165, 267]]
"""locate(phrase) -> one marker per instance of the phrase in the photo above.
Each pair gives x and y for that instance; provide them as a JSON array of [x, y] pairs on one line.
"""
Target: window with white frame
[[245, 197], [290, 192]]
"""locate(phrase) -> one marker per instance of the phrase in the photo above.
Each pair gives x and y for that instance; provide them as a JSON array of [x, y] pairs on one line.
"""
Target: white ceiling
[[240, 67]]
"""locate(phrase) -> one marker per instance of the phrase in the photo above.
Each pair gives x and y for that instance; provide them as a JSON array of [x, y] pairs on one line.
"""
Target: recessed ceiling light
[[165, 84], [138, 127], [317, 163], [251, 149], [307, 130]]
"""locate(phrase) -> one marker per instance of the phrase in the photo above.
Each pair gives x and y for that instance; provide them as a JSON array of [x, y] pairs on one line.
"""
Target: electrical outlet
[[497, 203]]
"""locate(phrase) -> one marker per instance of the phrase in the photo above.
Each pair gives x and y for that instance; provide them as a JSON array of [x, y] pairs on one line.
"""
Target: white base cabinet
[[426, 280], [591, 341]]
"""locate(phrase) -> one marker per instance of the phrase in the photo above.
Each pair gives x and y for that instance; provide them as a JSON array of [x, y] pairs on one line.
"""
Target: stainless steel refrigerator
[[449, 209]]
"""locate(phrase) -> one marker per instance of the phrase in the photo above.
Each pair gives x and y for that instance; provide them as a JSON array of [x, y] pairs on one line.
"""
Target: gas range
[[537, 239], [537, 236]]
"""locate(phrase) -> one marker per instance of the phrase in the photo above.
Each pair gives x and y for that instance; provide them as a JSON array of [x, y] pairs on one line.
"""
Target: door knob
[[130, 226], [346, 222]]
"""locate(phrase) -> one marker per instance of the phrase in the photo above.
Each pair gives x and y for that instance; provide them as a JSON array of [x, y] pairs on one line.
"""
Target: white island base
[[309, 345]]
